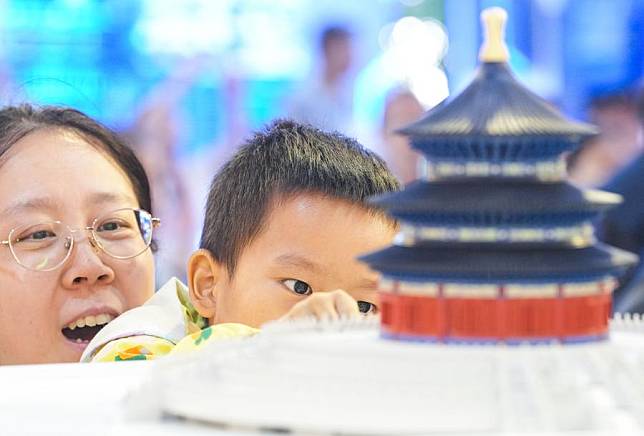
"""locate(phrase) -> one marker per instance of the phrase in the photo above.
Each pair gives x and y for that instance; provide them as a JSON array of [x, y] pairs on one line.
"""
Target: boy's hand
[[325, 306]]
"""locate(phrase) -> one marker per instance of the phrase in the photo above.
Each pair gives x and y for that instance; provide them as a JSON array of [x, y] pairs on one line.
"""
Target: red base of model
[[508, 320]]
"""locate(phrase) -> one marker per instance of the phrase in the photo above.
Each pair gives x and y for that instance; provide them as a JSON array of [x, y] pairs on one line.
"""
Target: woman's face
[[54, 175]]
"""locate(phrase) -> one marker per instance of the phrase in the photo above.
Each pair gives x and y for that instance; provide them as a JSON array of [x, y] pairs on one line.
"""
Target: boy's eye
[[367, 308], [298, 286]]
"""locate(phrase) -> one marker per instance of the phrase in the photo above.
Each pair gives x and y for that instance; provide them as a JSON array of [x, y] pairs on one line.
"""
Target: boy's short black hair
[[286, 158]]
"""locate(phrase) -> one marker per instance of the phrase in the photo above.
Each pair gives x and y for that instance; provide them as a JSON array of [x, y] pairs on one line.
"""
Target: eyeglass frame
[[94, 242]]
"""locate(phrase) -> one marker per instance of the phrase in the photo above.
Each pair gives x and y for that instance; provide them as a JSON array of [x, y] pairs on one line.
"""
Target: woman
[[75, 232]]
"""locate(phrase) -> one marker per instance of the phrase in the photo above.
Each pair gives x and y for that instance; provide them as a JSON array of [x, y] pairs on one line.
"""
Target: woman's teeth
[[84, 329], [91, 321]]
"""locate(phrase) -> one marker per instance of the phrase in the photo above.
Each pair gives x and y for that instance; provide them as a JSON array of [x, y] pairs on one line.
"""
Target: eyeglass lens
[[121, 234], [124, 233]]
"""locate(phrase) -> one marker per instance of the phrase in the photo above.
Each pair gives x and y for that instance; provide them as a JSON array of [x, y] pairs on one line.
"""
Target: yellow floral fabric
[[150, 347], [213, 333], [134, 348], [139, 346]]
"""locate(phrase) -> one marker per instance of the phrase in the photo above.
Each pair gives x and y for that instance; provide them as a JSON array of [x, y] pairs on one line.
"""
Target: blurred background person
[[6, 83], [199, 168], [623, 226], [617, 144], [155, 138], [401, 108], [326, 99]]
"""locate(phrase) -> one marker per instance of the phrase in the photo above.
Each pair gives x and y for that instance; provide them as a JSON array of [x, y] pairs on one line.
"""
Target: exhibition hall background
[[187, 81]]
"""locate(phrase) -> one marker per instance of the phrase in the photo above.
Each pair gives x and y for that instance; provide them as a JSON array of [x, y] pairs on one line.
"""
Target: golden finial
[[494, 48]]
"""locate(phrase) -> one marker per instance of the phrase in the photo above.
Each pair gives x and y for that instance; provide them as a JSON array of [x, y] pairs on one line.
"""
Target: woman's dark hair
[[16, 122]]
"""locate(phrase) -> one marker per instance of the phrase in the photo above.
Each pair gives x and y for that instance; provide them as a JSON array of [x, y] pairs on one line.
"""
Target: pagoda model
[[495, 245]]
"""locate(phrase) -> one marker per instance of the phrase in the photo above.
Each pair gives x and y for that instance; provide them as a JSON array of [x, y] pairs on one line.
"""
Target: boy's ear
[[204, 272]]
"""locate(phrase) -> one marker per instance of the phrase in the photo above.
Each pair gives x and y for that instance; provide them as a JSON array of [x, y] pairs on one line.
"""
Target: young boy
[[286, 219]]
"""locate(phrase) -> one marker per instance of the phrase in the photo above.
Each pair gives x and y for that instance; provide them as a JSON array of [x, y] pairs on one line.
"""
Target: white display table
[[80, 399], [342, 375]]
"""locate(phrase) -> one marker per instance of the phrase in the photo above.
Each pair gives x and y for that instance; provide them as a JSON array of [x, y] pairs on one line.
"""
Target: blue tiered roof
[[495, 204], [497, 207], [496, 119], [494, 244]]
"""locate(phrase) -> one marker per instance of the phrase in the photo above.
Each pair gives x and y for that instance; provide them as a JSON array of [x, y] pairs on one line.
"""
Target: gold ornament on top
[[494, 48]]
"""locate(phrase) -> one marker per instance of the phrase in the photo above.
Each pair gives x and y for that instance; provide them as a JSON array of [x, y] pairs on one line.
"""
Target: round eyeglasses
[[121, 234]]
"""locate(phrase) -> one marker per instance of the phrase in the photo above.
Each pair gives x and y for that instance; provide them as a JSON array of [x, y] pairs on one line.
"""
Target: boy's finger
[[345, 305], [324, 307], [319, 306], [297, 311]]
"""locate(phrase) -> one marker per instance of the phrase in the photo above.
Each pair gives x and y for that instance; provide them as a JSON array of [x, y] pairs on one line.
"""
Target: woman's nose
[[85, 267]]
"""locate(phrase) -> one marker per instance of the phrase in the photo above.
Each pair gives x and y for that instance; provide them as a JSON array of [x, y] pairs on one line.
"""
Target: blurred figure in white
[[404, 81], [326, 100], [401, 108]]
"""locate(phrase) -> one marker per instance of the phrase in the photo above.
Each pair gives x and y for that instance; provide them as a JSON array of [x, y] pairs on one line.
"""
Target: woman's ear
[[204, 273]]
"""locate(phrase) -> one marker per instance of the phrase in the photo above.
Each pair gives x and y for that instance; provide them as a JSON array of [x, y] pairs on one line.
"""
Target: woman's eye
[[110, 226], [298, 286], [367, 308], [37, 236], [42, 234]]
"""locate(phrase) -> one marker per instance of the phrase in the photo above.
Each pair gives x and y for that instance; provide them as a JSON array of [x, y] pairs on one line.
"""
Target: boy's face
[[309, 244]]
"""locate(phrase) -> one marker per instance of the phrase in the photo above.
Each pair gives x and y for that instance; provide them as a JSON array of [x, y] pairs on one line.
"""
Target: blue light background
[[98, 56]]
